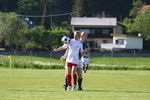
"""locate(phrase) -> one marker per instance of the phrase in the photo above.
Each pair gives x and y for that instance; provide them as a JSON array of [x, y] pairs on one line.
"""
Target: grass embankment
[[96, 63]]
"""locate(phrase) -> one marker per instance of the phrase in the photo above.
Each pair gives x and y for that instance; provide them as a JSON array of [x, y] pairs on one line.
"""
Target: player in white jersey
[[83, 37], [72, 60]]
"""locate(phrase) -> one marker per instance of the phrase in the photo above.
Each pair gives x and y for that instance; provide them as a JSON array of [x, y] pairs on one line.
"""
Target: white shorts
[[80, 65], [85, 60]]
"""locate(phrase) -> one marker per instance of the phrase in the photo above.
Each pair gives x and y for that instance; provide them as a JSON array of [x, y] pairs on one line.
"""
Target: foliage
[[17, 35], [11, 29], [137, 5], [36, 38], [40, 38], [138, 22], [129, 27], [32, 6], [56, 34], [142, 24], [66, 25], [81, 8]]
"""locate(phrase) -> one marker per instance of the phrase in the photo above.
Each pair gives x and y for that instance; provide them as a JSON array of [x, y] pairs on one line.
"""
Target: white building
[[124, 42], [105, 33], [99, 30]]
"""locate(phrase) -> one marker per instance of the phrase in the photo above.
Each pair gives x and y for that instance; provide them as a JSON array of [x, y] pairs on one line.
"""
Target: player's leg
[[69, 70], [86, 62], [74, 72], [65, 85], [79, 73], [82, 60], [83, 66]]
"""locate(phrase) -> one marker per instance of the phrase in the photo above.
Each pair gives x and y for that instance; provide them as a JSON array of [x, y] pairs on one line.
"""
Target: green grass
[[32, 62], [139, 62], [31, 84], [96, 63]]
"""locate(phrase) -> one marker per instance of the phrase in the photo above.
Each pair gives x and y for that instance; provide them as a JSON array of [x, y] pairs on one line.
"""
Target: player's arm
[[65, 55], [60, 48]]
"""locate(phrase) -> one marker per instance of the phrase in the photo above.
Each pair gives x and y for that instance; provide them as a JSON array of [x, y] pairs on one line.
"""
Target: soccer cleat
[[68, 88], [74, 88], [80, 89], [65, 87]]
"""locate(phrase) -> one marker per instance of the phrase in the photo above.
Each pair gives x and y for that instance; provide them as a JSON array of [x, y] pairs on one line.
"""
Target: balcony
[[110, 46]]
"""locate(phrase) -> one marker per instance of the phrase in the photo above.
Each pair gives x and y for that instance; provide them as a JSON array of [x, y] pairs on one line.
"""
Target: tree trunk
[[44, 15]]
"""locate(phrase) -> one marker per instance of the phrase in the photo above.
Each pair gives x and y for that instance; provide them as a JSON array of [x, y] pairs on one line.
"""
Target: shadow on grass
[[116, 91]]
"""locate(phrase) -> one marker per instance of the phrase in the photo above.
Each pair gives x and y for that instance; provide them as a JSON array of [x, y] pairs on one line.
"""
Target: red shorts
[[71, 64]]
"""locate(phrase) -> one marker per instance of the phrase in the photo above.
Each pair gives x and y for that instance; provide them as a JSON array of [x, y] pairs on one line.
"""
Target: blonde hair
[[83, 33], [77, 32]]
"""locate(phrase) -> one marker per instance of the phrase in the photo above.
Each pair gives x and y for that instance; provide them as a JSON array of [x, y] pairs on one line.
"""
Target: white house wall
[[134, 43]]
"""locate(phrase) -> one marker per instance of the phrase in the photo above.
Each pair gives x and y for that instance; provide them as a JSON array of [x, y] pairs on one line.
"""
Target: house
[[122, 41], [99, 30]]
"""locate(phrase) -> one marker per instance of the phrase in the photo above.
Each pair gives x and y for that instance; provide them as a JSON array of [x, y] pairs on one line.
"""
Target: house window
[[91, 44], [105, 31], [87, 31], [120, 41], [105, 41]]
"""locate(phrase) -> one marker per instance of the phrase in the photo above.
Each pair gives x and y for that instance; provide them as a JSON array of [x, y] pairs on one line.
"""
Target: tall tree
[[81, 7], [140, 22], [137, 5], [11, 29], [40, 7]]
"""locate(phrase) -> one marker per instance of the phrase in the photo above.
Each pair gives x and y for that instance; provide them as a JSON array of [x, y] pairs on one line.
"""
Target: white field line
[[106, 65], [45, 63], [92, 64]]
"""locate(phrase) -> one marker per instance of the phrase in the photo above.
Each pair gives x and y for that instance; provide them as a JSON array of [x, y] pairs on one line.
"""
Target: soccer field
[[29, 84]]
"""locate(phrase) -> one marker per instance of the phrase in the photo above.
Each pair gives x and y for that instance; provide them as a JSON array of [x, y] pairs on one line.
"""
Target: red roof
[[144, 8]]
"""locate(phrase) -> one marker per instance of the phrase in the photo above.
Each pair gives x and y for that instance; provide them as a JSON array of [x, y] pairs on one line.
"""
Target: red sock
[[75, 79], [69, 80]]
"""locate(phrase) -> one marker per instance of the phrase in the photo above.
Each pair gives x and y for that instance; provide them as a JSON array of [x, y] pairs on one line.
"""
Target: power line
[[55, 15]]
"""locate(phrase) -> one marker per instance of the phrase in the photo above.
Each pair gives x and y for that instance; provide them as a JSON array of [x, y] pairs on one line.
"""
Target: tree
[[11, 29], [36, 38], [140, 23], [131, 27], [137, 5], [40, 38], [56, 35], [36, 7], [81, 8]]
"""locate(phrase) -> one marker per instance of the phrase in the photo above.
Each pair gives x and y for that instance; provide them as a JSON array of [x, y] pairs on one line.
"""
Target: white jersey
[[65, 46], [74, 48]]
